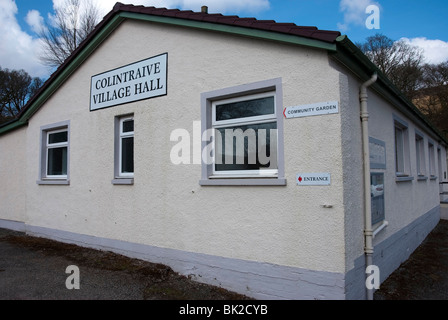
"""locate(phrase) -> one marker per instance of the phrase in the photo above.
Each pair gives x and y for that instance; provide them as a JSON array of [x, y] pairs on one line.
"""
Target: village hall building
[[266, 158]]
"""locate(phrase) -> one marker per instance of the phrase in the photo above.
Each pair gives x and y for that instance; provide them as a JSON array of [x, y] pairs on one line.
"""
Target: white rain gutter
[[368, 232]]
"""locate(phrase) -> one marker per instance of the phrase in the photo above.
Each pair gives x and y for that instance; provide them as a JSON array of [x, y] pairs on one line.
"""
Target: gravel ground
[[35, 269], [424, 276]]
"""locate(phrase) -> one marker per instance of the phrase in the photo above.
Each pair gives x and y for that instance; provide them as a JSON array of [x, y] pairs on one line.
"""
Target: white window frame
[[45, 132], [402, 153], [431, 159], [420, 154], [261, 119], [124, 135], [119, 176], [49, 146], [209, 176], [439, 164]]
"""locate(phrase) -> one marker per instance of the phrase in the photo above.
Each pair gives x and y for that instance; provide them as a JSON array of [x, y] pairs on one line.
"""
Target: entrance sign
[[311, 109], [313, 179], [137, 81]]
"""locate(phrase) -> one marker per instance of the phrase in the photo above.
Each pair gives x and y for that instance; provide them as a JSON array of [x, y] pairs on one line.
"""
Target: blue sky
[[421, 23]]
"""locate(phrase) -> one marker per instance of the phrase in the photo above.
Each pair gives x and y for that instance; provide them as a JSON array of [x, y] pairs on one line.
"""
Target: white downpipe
[[368, 232]]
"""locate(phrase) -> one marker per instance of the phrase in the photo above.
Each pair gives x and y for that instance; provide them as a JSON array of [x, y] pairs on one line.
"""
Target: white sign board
[[313, 179], [314, 109], [137, 81]]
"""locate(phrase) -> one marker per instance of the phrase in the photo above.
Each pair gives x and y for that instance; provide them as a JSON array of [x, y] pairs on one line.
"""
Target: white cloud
[[354, 13], [435, 51], [18, 50], [34, 20]]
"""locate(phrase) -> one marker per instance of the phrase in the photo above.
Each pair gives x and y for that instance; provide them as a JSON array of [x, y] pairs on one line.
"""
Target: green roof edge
[[343, 51], [355, 60], [63, 75], [116, 19], [242, 31]]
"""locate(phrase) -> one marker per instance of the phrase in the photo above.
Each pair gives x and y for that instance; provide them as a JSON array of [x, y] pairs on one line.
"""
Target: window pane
[[128, 126], [57, 137], [57, 161], [377, 197], [247, 147], [420, 159], [244, 109], [399, 150], [127, 155]]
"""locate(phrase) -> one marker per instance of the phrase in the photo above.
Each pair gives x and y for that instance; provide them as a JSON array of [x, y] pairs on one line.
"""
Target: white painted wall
[[352, 167], [12, 173], [166, 207], [405, 201]]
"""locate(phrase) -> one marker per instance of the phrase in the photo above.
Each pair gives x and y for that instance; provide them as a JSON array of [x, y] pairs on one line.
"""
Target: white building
[[115, 152]]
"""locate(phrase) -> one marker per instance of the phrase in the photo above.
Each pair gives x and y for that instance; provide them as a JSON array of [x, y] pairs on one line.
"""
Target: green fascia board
[[355, 60], [343, 51], [73, 65], [12, 126], [248, 32], [119, 17], [64, 74]]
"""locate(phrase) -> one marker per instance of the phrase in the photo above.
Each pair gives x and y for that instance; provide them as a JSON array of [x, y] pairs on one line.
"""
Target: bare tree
[[424, 84], [70, 25], [16, 87], [399, 61], [432, 99]]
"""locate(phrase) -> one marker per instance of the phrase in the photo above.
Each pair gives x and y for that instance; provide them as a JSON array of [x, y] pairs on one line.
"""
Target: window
[[431, 159], [377, 197], [54, 154], [126, 147], [57, 145], [420, 153], [245, 131], [243, 135], [399, 150], [402, 162], [124, 150]]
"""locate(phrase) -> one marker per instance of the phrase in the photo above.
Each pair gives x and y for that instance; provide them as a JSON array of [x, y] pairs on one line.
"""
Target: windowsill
[[433, 178], [243, 182], [422, 178], [53, 182], [403, 178], [123, 181], [379, 227]]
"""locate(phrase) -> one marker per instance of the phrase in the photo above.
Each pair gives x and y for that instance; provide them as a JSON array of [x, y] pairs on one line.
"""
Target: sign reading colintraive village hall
[[314, 109], [137, 81]]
